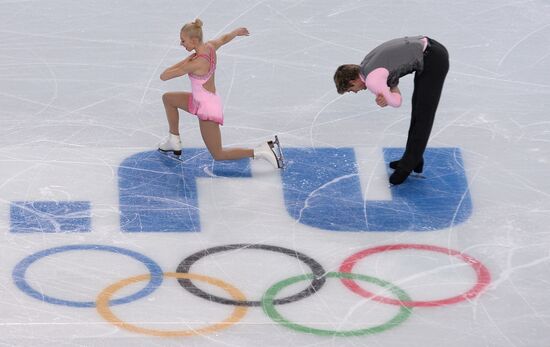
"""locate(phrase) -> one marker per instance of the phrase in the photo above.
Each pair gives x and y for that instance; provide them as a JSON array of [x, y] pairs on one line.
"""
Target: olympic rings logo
[[240, 303]]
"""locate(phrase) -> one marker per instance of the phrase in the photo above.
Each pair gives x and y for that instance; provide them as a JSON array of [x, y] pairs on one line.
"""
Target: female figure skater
[[203, 101], [380, 71]]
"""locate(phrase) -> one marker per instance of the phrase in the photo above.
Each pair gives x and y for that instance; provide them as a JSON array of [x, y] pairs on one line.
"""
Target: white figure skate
[[271, 151], [171, 144]]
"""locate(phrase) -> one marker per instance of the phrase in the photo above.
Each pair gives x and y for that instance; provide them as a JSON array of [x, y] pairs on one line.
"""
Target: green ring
[[269, 307]]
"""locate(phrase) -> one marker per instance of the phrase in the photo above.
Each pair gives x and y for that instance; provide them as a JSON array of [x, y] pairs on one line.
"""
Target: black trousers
[[428, 85]]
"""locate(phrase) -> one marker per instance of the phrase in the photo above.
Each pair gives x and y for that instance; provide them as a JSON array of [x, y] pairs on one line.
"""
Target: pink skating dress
[[203, 103]]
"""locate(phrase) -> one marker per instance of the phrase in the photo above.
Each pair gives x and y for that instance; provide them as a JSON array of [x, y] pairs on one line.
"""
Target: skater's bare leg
[[172, 101], [212, 138]]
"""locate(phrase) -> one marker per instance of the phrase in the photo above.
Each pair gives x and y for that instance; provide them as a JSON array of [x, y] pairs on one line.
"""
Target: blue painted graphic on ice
[[322, 189], [159, 194], [50, 216]]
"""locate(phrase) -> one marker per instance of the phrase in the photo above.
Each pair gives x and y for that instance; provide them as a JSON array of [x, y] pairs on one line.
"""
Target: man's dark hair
[[344, 75]]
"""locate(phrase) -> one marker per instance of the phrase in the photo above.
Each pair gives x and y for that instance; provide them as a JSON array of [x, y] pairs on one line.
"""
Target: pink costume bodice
[[197, 81], [203, 103]]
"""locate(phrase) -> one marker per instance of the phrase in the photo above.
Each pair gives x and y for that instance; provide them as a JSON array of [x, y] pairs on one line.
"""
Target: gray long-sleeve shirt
[[399, 56]]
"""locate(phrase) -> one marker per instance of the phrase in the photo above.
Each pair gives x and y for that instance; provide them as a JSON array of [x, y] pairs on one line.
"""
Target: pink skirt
[[208, 107]]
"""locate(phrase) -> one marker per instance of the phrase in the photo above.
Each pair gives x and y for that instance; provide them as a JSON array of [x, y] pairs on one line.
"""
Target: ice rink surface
[[106, 242]]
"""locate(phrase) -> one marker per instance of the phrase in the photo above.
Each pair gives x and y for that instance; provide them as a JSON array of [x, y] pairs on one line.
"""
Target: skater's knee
[[218, 155], [166, 97]]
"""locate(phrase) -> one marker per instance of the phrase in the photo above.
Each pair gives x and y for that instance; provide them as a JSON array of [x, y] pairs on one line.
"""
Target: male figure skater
[[380, 72]]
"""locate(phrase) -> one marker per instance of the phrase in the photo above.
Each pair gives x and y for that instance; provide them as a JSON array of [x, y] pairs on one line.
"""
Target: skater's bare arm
[[226, 38], [182, 68]]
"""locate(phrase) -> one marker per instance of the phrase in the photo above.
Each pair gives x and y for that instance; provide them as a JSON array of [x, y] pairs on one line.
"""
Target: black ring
[[316, 268]]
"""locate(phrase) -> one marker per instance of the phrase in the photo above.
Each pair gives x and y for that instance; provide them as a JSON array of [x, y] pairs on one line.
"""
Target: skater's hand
[[381, 101], [241, 32]]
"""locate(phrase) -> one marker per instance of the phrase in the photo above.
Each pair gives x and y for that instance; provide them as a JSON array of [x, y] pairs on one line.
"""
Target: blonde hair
[[193, 29]]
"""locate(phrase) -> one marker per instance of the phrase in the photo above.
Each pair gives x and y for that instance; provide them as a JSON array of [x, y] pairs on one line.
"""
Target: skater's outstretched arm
[[179, 69], [226, 38]]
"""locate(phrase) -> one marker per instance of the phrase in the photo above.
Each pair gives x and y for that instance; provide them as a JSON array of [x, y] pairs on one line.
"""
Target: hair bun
[[198, 23]]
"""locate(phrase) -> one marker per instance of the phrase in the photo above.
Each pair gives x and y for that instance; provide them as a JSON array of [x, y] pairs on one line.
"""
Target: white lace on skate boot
[[265, 152], [171, 144]]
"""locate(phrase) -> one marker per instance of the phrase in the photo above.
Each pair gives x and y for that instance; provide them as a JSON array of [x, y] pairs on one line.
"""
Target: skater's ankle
[[419, 167], [394, 164]]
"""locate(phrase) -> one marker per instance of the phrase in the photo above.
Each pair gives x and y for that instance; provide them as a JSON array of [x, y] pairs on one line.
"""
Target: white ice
[[80, 91]]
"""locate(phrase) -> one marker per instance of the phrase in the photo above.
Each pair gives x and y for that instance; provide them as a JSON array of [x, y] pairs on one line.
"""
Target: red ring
[[483, 275]]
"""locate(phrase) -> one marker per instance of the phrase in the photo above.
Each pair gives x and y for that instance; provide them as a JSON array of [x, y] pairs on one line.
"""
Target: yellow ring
[[103, 299]]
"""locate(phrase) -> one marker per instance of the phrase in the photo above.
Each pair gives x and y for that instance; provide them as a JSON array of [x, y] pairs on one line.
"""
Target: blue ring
[[20, 269]]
